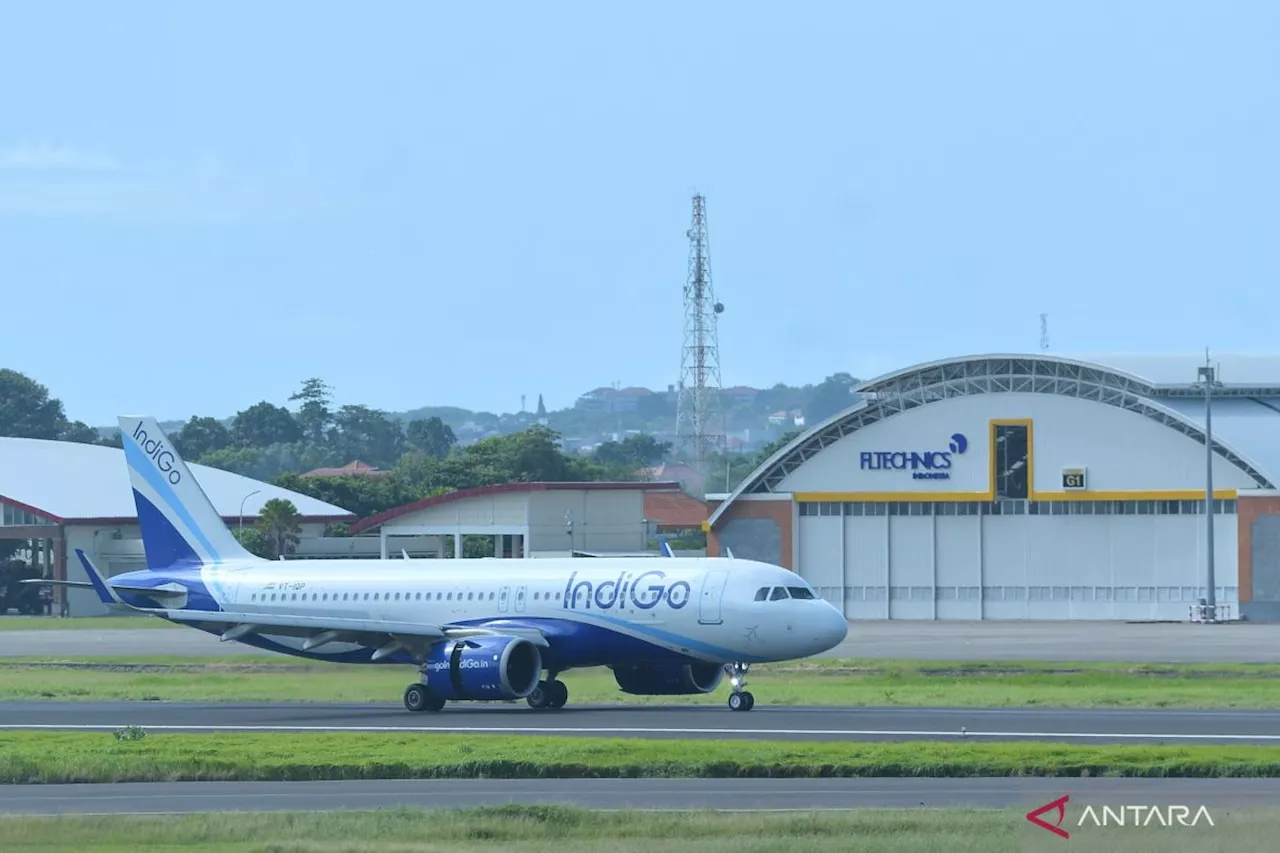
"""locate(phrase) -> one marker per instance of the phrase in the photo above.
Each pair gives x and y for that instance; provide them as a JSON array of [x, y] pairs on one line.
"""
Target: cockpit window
[[779, 593], [762, 593], [800, 592]]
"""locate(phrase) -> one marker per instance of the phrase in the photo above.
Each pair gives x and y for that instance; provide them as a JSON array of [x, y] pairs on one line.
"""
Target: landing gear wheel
[[417, 698], [548, 694], [743, 701]]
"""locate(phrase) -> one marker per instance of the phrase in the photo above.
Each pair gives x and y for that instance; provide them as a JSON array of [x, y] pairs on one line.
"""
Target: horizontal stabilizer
[[169, 592]]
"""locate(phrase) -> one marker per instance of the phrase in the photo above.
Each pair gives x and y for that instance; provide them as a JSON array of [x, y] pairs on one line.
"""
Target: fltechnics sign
[[923, 464]]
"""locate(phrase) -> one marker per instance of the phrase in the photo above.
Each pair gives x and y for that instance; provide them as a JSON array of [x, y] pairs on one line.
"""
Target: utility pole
[[1208, 381], [699, 416]]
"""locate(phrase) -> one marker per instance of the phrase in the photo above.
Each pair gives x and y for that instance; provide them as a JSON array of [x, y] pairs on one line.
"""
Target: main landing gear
[[549, 694], [739, 699], [419, 697]]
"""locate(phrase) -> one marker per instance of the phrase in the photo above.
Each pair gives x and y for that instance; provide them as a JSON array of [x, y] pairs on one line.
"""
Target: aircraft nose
[[832, 629]]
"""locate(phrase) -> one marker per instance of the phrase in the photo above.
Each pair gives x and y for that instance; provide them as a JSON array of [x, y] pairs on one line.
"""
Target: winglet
[[666, 548]]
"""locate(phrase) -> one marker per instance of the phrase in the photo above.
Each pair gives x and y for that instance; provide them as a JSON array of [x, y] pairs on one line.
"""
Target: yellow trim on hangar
[[988, 494]]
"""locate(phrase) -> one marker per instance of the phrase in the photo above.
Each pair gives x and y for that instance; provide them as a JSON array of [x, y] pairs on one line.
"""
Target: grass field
[[821, 682], [553, 829], [72, 757], [95, 623]]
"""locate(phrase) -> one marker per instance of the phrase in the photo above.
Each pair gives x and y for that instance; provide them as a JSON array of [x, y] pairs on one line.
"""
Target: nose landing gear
[[739, 699]]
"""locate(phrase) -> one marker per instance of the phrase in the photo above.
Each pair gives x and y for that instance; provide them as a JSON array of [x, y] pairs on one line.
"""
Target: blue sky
[[432, 205]]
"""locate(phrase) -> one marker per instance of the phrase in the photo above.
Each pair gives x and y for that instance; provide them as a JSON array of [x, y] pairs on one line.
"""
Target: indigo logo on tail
[[959, 444], [158, 453]]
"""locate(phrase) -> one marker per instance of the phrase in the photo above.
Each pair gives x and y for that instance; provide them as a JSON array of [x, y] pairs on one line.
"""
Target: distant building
[[611, 399], [60, 496], [355, 468], [531, 519]]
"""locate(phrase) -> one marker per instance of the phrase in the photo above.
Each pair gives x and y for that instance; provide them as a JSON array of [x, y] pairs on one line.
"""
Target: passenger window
[[800, 592], [491, 596], [762, 594], [779, 593]]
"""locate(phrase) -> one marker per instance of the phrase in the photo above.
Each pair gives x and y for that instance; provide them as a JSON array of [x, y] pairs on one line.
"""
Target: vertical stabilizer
[[180, 527]]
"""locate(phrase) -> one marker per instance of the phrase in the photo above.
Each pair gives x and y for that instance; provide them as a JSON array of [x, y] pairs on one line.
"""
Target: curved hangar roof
[[68, 482], [1246, 406]]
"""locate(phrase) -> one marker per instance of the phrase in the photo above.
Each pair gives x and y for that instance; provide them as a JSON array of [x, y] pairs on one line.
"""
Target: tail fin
[[666, 548], [180, 527]]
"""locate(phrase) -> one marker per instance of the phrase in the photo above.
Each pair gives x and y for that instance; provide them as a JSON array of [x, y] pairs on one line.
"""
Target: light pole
[[242, 500], [1208, 381]]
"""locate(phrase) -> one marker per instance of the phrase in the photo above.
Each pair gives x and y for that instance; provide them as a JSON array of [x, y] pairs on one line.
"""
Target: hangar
[[549, 519], [68, 496], [1028, 486]]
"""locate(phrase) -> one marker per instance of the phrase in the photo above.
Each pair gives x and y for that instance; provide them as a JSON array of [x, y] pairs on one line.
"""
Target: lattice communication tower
[[699, 416]]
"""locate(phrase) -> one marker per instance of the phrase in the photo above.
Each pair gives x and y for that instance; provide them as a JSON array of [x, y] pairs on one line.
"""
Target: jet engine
[[668, 679], [484, 668]]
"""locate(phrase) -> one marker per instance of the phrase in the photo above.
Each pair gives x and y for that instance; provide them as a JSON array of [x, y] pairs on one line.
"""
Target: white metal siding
[[603, 520], [1117, 566], [503, 508], [1122, 450]]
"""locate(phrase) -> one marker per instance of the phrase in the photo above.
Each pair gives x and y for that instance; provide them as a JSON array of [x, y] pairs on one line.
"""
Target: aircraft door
[[712, 592], [520, 592], [504, 596]]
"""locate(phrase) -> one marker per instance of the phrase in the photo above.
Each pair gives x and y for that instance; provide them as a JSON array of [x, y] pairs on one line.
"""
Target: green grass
[[86, 623], [556, 829], [845, 683], [67, 757]]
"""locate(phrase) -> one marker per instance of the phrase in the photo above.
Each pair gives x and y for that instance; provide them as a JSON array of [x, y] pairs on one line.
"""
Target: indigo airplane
[[484, 629]]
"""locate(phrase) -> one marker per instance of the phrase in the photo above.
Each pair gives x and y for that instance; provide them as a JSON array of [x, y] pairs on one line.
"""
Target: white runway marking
[[605, 730]]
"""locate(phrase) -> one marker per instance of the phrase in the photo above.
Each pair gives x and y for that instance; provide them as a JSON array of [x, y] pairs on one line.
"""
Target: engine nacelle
[[484, 668], [668, 679]]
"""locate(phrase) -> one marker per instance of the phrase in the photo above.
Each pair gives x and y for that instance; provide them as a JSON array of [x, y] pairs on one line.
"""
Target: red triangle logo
[[1060, 806]]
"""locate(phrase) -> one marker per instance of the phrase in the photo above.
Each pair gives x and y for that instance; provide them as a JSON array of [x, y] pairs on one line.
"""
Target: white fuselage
[[705, 609]]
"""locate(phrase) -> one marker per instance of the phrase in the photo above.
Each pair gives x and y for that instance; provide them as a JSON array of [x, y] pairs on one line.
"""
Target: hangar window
[[1012, 454]]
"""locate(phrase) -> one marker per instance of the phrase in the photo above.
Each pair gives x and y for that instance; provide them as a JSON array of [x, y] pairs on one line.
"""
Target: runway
[[667, 794], [917, 640], [1095, 726]]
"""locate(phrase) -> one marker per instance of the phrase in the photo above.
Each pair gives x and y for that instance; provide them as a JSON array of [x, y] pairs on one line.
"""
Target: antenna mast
[[698, 413], [1044, 333]]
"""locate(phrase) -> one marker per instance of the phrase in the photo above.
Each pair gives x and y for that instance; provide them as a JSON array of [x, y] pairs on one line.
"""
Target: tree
[[834, 394], [634, 451], [264, 424], [314, 416], [280, 527], [432, 437], [27, 410], [367, 434], [81, 433], [200, 436]]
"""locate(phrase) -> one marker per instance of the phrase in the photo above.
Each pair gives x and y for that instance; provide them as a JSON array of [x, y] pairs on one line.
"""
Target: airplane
[[476, 629]]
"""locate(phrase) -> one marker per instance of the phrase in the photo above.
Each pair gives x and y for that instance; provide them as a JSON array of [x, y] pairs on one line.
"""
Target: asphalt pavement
[[1243, 642], [667, 794], [1098, 726]]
